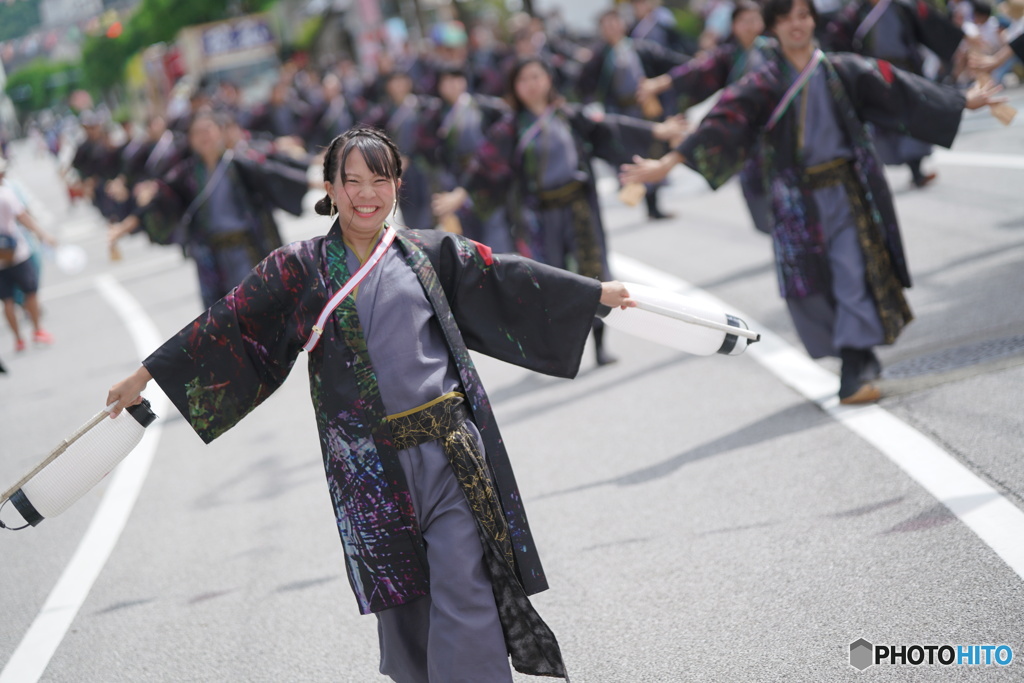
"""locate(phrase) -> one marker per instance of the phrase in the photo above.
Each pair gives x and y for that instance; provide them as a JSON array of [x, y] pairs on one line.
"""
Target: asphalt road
[[700, 518]]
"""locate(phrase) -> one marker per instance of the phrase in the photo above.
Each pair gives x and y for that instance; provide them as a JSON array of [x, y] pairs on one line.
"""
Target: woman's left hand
[[615, 295]]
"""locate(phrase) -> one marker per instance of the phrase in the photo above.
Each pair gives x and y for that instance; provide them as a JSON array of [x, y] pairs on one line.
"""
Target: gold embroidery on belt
[[826, 166], [444, 420], [404, 413]]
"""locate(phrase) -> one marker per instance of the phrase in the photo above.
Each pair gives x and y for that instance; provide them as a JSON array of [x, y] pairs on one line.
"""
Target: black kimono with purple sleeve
[[264, 186], [865, 90], [595, 81], [1017, 45], [701, 77], [233, 356], [706, 74], [498, 168], [509, 172], [923, 25]]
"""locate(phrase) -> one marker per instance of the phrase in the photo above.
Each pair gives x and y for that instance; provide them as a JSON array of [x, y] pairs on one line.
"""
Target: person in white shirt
[[16, 268], [983, 32]]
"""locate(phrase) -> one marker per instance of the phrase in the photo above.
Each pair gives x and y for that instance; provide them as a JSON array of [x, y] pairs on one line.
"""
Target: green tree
[[41, 83], [19, 18]]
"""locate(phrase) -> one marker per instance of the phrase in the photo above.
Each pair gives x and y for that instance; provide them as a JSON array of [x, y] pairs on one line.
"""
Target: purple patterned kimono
[[514, 170], [865, 90], [701, 77], [233, 356], [921, 23], [896, 37]]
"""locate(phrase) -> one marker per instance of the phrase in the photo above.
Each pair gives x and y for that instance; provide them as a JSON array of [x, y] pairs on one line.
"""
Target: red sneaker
[[19, 345], [42, 337]]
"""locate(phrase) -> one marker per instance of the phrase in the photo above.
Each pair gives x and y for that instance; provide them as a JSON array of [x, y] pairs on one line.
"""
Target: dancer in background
[[838, 249], [895, 30], [707, 73], [452, 132], [400, 115], [218, 205], [614, 73], [536, 162]]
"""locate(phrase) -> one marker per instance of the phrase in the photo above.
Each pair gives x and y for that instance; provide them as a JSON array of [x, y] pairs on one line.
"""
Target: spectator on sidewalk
[[17, 271]]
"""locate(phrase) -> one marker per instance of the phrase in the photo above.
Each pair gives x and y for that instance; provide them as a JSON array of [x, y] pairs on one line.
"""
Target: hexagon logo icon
[[861, 654]]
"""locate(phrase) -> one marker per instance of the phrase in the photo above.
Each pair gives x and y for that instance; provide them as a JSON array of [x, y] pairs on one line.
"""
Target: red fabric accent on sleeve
[[886, 69], [484, 251], [922, 9]]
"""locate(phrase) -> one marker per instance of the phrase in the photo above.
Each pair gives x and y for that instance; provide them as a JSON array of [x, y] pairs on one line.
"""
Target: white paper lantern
[[90, 456], [682, 322]]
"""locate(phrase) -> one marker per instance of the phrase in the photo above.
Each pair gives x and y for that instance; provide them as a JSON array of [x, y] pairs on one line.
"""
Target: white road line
[[950, 158], [996, 521], [148, 265], [33, 654]]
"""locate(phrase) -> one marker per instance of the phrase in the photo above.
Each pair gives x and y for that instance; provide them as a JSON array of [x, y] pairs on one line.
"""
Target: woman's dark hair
[[744, 6], [451, 71], [205, 114], [774, 9], [448, 71], [381, 155], [982, 8], [513, 76]]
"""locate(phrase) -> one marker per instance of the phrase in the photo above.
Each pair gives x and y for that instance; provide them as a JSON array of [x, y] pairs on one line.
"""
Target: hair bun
[[324, 206]]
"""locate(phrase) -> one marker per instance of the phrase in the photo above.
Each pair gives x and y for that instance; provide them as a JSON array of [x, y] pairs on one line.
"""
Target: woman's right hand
[[648, 170], [650, 88], [445, 203], [145, 192], [979, 95], [615, 295], [118, 230], [117, 190], [128, 392]]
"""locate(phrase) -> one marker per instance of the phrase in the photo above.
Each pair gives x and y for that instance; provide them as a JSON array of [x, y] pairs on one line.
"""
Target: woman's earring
[[334, 208]]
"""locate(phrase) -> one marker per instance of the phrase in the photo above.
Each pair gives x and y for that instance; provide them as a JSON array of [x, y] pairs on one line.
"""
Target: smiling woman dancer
[[435, 536]]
